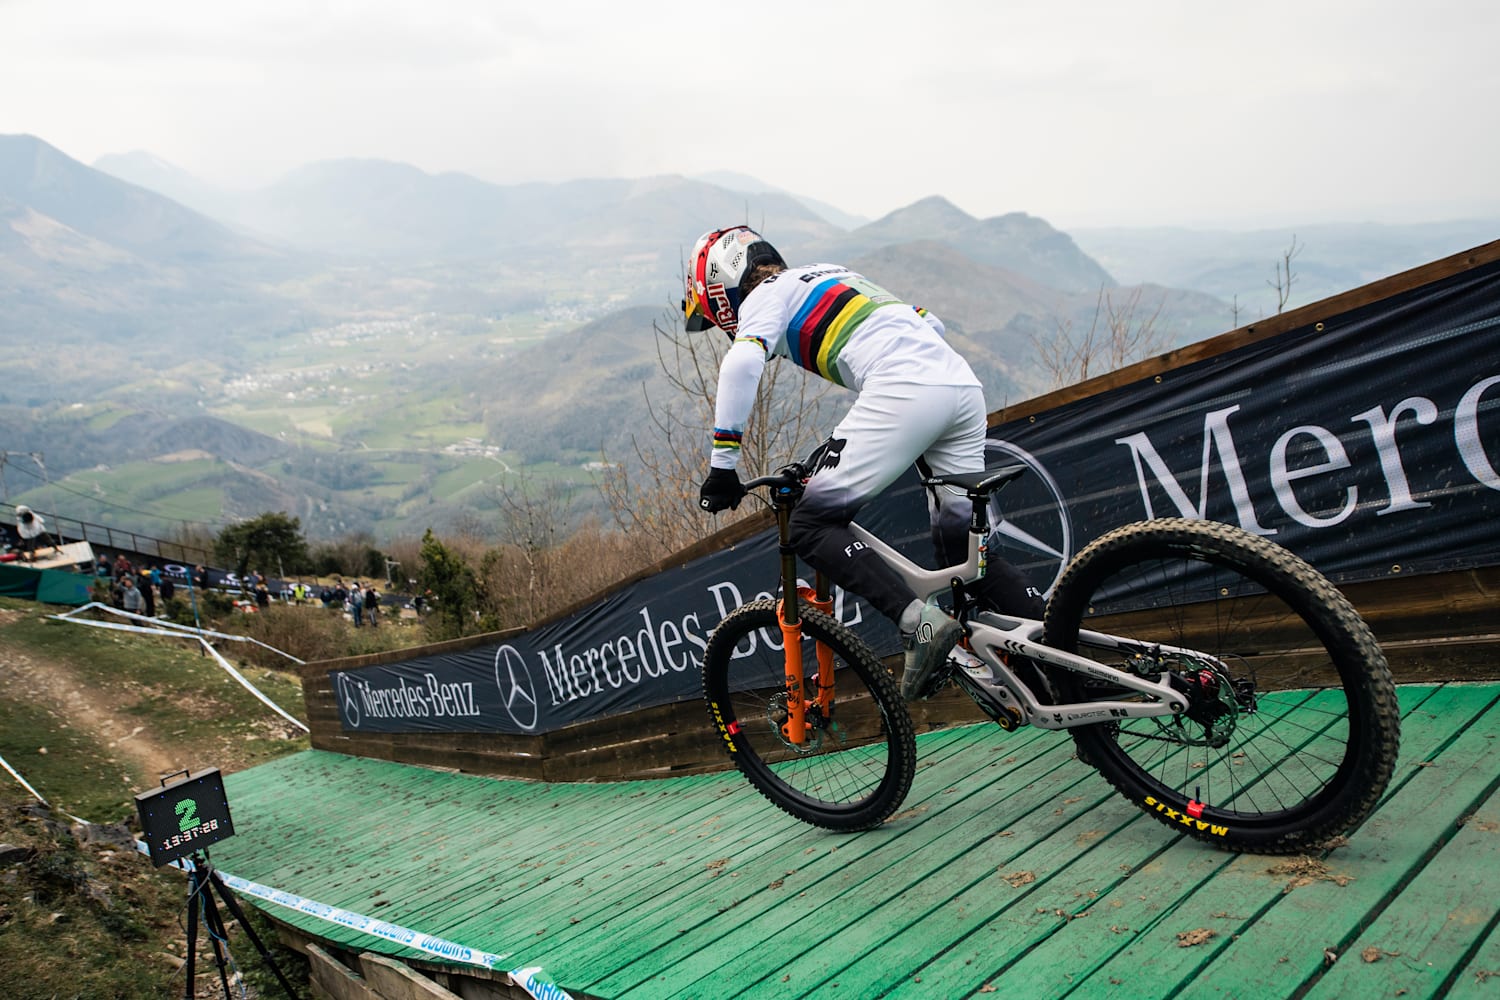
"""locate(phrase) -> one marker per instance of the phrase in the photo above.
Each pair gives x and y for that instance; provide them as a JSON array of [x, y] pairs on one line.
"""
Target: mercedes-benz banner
[[1368, 443]]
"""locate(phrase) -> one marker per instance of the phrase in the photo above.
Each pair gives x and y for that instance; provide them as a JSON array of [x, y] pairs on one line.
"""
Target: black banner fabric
[[1367, 443], [640, 647]]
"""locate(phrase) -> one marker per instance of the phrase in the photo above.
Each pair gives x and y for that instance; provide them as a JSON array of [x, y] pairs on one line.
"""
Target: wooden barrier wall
[[1433, 627]]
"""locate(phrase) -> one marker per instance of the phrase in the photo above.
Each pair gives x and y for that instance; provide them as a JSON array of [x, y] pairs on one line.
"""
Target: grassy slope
[[89, 919]]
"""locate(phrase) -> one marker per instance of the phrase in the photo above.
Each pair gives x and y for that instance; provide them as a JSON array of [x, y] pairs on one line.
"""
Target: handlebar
[[788, 475]]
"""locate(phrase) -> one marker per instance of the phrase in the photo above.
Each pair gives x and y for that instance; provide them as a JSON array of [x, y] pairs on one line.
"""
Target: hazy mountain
[[90, 261], [376, 209], [1017, 242], [994, 315], [743, 182], [37, 177], [155, 174], [1328, 259], [332, 364]]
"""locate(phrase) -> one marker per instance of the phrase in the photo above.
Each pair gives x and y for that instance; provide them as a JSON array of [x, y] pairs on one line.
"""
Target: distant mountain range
[[356, 318]]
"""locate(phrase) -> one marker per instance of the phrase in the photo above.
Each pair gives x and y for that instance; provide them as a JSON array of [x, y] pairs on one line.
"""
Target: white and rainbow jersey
[[837, 324]]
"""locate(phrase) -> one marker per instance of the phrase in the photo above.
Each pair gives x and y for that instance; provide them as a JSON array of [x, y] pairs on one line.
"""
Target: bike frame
[[991, 637]]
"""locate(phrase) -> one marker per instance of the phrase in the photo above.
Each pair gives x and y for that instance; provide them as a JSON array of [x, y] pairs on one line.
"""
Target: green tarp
[[50, 586]]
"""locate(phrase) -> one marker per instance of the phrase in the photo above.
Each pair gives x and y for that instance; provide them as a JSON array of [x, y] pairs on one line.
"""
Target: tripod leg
[[217, 935], [192, 934], [233, 906]]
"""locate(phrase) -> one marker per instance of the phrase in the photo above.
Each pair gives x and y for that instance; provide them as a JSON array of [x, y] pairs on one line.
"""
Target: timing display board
[[184, 817]]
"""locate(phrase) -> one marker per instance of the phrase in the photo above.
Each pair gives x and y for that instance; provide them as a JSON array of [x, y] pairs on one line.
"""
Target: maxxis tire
[[871, 747], [1362, 744]]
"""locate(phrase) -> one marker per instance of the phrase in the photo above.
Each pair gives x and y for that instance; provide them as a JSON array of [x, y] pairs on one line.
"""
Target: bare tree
[[1118, 334], [546, 561], [1284, 276], [655, 492]]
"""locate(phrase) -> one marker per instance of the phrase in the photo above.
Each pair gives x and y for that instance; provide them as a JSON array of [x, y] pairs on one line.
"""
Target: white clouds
[[1082, 111]]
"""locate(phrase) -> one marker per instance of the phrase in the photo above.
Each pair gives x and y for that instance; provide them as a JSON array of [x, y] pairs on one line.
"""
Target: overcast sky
[[1084, 112]]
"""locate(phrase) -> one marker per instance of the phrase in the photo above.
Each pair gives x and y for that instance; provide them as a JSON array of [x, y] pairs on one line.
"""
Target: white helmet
[[720, 262]]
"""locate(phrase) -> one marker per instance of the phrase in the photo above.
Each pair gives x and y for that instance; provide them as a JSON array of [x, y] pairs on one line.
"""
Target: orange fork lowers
[[795, 727]]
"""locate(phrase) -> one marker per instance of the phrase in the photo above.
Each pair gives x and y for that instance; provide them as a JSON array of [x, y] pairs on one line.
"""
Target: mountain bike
[[1214, 678]]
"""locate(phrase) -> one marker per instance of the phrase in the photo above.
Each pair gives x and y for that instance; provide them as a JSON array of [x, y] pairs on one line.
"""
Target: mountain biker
[[917, 399]]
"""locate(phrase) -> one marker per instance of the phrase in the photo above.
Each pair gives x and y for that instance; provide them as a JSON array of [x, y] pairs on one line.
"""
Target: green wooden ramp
[[1012, 868]]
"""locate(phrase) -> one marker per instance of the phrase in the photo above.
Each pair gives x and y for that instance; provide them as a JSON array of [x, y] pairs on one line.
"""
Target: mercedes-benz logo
[[517, 692], [348, 703], [1031, 529]]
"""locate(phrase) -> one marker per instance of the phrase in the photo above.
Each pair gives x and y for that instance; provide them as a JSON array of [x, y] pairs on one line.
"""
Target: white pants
[[889, 427]]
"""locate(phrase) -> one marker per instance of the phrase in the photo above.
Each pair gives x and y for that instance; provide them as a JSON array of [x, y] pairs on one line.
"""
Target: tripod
[[203, 882]]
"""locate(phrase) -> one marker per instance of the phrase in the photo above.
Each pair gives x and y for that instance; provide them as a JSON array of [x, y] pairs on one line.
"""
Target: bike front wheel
[[855, 766], [1291, 728]]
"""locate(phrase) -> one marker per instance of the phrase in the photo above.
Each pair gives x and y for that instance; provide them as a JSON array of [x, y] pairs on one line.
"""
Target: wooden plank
[[871, 885], [1475, 979], [394, 980], [1417, 944], [746, 830], [642, 889], [1027, 884], [331, 978], [62, 557], [1094, 930], [1258, 923]]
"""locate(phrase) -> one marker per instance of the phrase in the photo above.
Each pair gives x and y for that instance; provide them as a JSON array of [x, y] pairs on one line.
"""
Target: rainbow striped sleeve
[[727, 439]]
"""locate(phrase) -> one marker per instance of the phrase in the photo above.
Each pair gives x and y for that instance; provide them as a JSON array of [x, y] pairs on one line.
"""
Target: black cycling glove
[[720, 490]]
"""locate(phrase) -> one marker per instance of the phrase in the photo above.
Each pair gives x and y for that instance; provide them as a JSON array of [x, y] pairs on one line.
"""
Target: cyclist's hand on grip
[[720, 490]]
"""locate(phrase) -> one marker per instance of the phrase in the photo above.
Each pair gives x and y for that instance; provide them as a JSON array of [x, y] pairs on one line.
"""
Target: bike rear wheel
[[856, 766], [1292, 726]]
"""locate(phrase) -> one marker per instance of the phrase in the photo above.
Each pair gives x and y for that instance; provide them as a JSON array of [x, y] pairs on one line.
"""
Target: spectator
[[148, 594], [356, 604], [122, 568], [262, 595], [200, 578], [372, 604], [30, 526], [130, 597], [101, 567], [168, 587]]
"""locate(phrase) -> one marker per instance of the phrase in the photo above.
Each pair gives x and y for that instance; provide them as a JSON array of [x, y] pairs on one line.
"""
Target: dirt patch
[[1305, 871], [55, 686]]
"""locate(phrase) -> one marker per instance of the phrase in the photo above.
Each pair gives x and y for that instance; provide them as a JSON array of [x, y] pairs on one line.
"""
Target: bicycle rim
[[856, 767], [1292, 731]]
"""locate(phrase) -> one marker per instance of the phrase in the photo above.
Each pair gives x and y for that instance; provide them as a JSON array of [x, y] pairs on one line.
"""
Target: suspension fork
[[789, 615]]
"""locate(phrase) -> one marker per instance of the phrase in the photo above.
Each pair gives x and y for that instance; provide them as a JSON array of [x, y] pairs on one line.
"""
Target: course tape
[[24, 783], [164, 623], [180, 631], [527, 978]]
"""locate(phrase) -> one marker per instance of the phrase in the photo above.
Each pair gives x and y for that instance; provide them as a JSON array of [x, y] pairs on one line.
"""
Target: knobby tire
[[857, 766], [1309, 750]]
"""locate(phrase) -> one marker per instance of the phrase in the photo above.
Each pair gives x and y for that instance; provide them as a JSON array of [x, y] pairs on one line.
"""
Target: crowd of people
[[144, 589], [134, 589]]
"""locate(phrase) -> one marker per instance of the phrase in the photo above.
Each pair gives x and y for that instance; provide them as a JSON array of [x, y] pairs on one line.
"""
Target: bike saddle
[[980, 483]]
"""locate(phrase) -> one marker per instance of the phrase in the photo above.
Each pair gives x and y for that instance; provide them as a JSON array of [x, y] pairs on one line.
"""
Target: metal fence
[[102, 537]]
